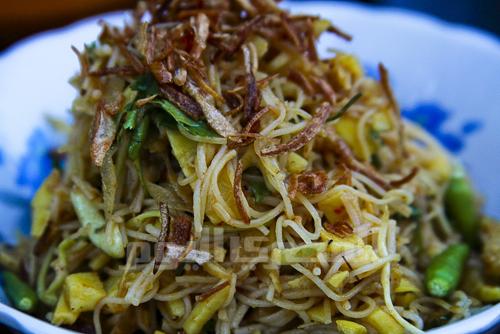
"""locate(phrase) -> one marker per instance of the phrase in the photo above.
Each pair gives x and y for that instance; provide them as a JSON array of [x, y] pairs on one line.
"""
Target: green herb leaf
[[163, 120], [197, 128], [256, 184], [138, 138], [91, 46], [130, 111], [177, 114], [259, 191], [145, 85], [203, 130], [131, 116], [90, 50], [346, 107]]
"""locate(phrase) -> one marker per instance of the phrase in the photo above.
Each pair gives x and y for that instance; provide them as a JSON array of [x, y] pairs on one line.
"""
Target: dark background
[[21, 18]]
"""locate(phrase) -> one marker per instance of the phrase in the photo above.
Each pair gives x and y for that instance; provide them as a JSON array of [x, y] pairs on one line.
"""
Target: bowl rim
[[472, 36]]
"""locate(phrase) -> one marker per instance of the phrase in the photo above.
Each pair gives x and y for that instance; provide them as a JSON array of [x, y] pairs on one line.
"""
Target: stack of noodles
[[201, 123]]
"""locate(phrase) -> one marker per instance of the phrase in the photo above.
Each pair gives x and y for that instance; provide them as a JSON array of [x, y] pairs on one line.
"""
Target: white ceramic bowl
[[447, 73]]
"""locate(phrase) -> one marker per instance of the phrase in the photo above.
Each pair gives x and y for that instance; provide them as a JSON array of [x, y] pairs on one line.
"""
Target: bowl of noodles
[[235, 167]]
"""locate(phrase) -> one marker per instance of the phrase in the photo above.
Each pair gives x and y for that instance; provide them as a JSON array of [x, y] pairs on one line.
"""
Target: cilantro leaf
[[145, 85], [256, 184], [197, 128]]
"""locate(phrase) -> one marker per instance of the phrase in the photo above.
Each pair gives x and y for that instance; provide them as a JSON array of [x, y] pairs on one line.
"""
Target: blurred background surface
[[21, 18]]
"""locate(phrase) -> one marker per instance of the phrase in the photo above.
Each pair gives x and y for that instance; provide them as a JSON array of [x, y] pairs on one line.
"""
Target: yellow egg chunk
[[261, 45], [42, 202], [321, 26], [300, 283], [99, 261], [338, 279], [338, 244], [83, 291], [347, 128], [383, 322], [204, 311], [320, 314], [405, 285], [350, 327], [380, 121], [440, 166], [332, 207], [296, 163], [225, 182], [175, 308], [346, 69], [184, 150], [297, 254], [63, 315], [405, 299], [364, 256]]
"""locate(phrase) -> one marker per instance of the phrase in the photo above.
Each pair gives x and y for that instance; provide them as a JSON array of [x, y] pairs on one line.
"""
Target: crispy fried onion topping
[[307, 183], [161, 245], [214, 117], [238, 193], [341, 229], [103, 133], [307, 134]]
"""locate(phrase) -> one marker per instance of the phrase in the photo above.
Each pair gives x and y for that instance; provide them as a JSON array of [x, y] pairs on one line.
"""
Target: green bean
[[20, 294], [461, 207], [138, 137], [445, 270]]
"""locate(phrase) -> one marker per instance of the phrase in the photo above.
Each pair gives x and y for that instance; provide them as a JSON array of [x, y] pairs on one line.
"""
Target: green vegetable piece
[[197, 128], [346, 107], [131, 117], [256, 184], [176, 113], [41, 204], [202, 130], [91, 46], [259, 191], [20, 294], [108, 240], [445, 270], [138, 138], [90, 50], [145, 85], [461, 207]]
